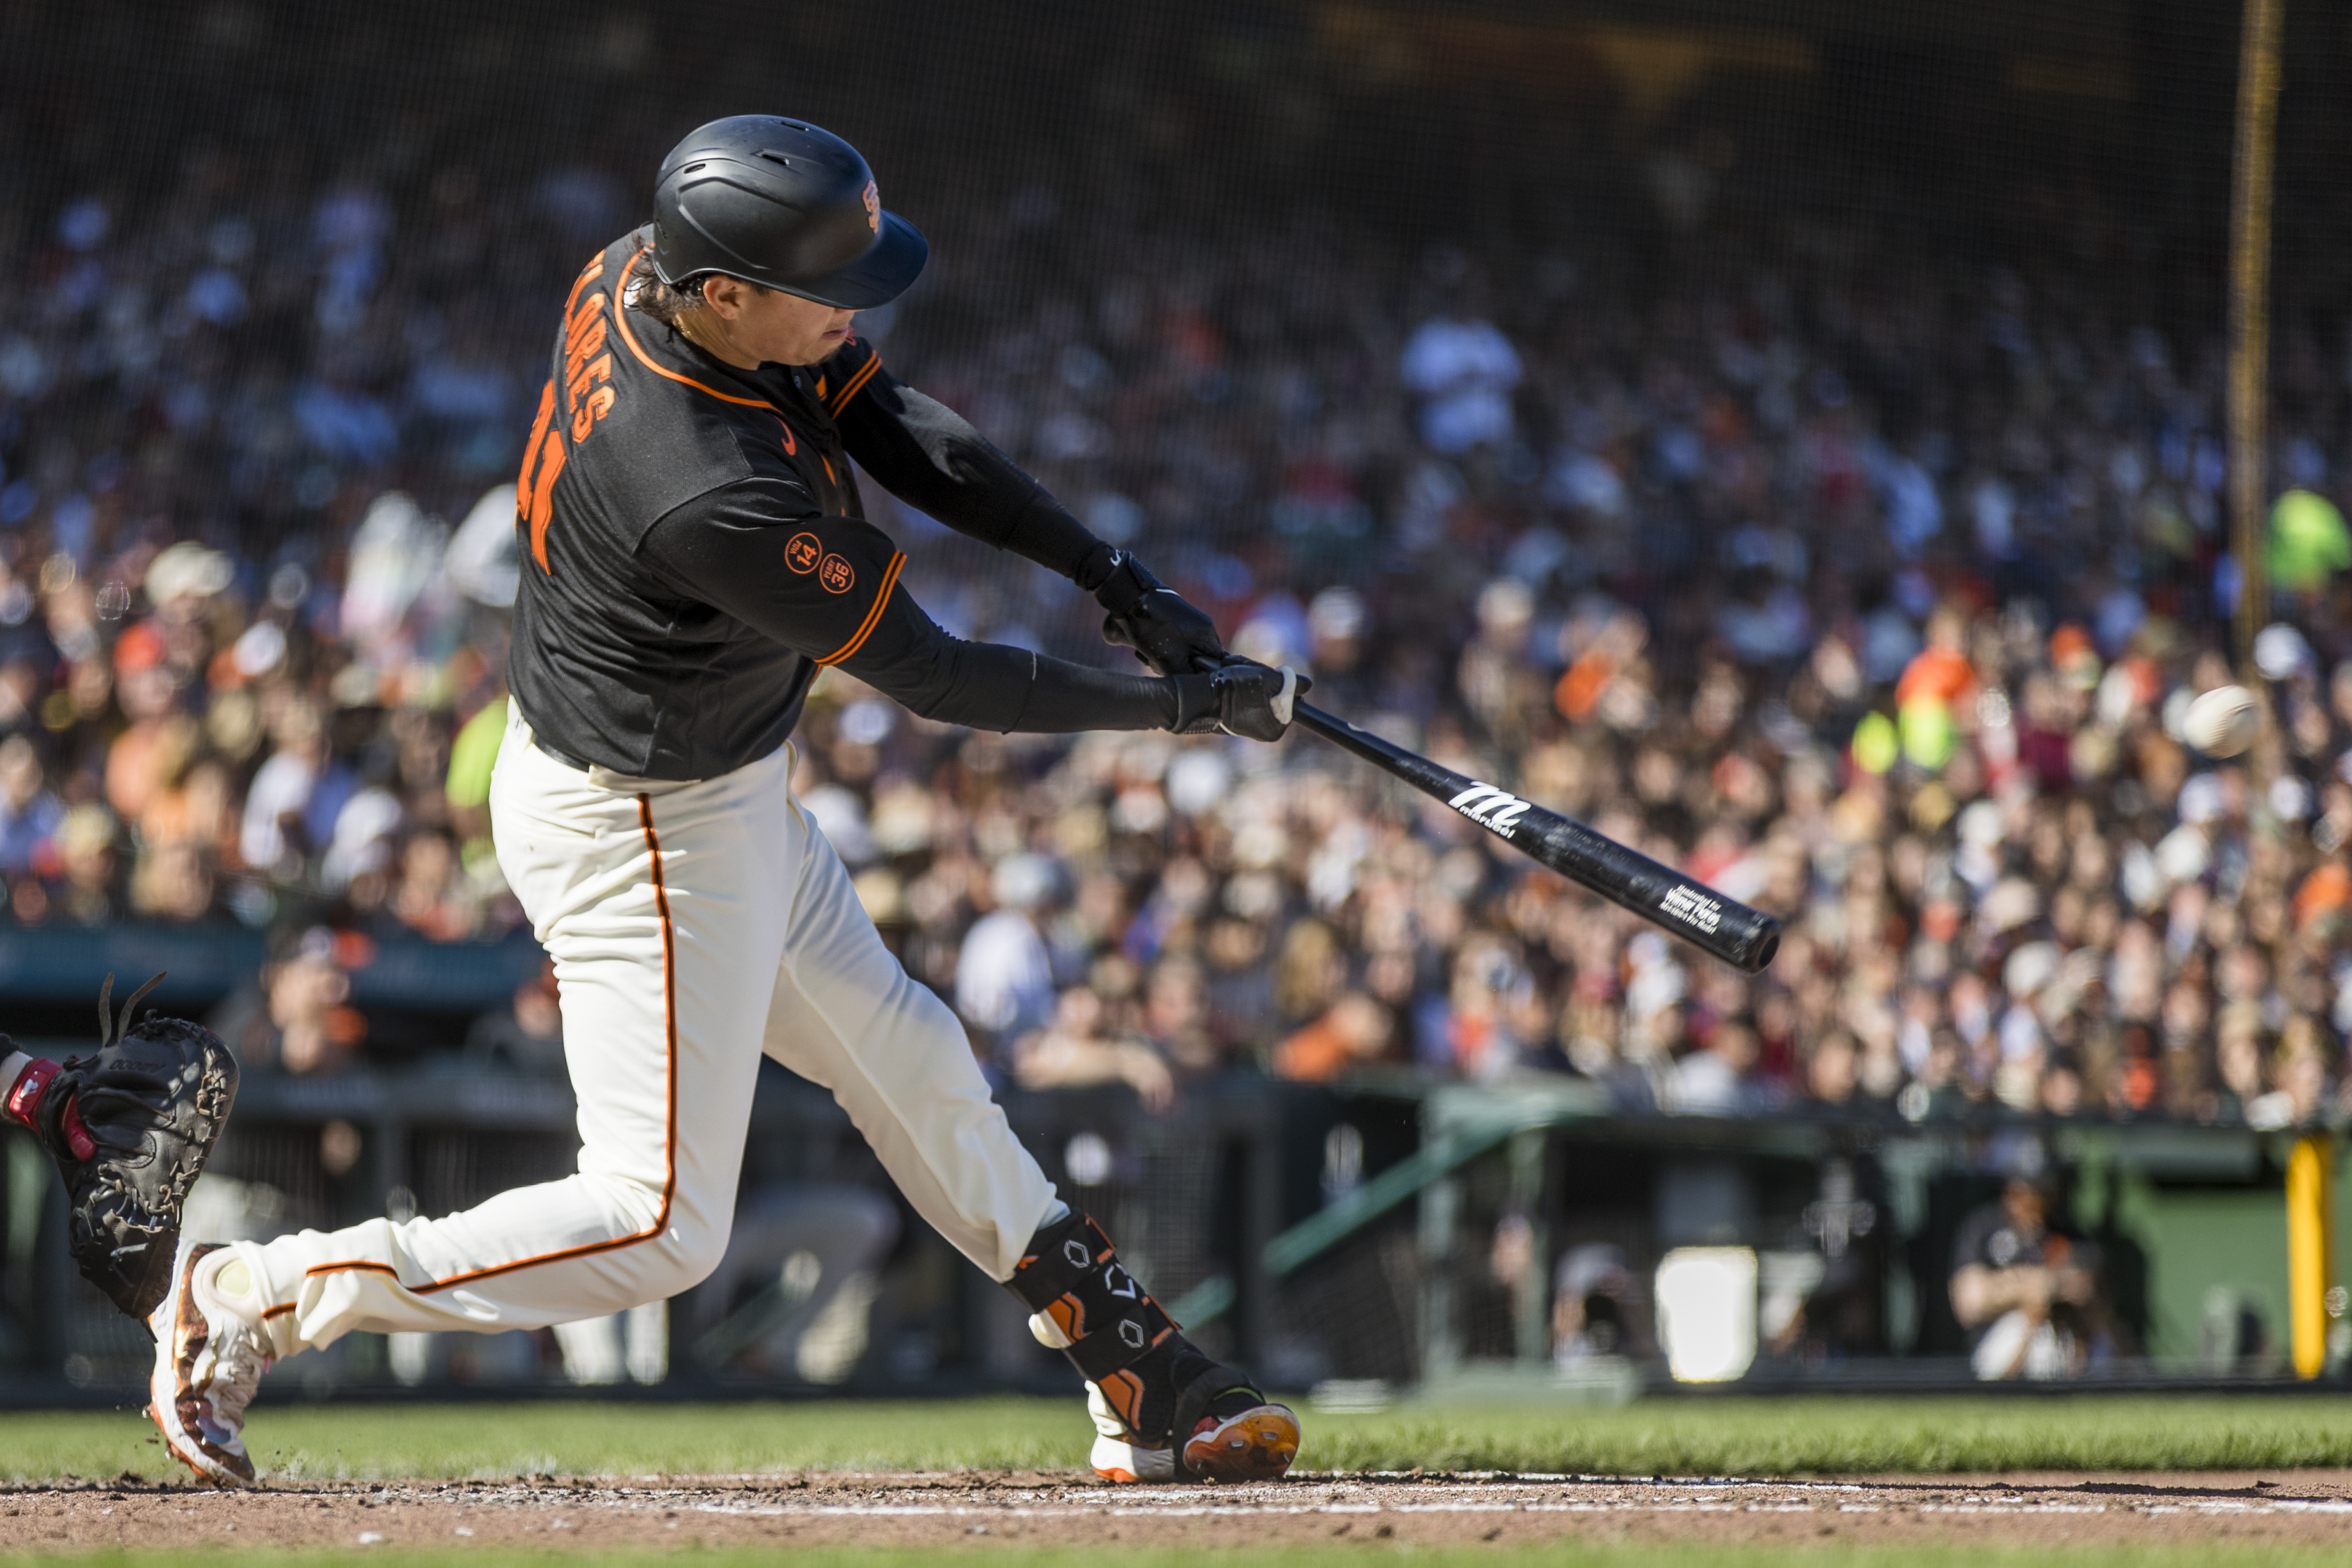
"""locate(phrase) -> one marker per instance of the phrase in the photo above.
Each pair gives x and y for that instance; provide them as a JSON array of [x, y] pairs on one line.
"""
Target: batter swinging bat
[[1743, 938]]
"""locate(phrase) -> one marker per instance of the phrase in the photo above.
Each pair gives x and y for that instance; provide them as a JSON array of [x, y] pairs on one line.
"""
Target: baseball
[[2223, 722]]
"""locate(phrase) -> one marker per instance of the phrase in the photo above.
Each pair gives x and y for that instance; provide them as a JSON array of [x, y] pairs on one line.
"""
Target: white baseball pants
[[693, 926]]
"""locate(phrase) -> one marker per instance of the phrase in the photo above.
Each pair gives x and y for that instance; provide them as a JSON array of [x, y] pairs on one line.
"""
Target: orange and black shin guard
[[1117, 1337]]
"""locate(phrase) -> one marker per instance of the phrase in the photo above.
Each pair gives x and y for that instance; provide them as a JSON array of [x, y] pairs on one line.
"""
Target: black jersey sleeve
[[931, 458], [828, 589]]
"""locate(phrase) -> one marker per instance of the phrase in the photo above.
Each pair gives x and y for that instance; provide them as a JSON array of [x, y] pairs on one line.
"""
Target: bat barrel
[[1743, 938]]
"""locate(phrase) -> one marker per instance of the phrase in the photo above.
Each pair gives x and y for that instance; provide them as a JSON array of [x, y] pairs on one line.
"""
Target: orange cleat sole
[[1258, 1444]]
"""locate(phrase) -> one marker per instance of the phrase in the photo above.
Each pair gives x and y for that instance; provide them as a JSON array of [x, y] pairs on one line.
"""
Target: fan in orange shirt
[[1940, 672], [1354, 1029]]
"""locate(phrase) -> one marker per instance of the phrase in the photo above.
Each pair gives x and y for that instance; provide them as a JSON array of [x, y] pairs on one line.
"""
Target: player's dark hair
[[665, 302]]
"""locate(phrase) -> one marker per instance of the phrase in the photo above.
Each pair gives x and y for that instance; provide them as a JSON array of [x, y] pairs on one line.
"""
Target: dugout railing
[[1852, 1220], [1362, 1237]]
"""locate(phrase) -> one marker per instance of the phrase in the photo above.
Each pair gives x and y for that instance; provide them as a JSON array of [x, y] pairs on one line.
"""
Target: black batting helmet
[[781, 203]]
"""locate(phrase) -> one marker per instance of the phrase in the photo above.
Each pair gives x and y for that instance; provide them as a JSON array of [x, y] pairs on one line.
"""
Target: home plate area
[[1047, 1509]]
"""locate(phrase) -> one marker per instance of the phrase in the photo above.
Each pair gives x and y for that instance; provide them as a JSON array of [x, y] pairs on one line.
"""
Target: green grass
[[1676, 1554], [1833, 1434], [566, 1439], [1713, 1436]]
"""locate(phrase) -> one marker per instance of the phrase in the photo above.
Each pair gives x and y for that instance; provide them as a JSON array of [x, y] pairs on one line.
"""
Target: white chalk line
[[1143, 1509], [1339, 1499]]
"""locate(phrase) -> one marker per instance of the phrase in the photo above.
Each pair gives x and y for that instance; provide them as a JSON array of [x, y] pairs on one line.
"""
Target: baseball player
[[694, 553]]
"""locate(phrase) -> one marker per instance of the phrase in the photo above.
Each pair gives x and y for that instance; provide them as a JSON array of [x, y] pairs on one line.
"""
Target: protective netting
[[1158, 1188], [456, 1169], [1355, 1313], [1790, 436]]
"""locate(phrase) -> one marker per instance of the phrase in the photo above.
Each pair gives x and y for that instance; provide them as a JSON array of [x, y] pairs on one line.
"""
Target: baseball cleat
[[207, 1365], [1224, 1429], [1253, 1445], [1236, 1433], [1126, 1463], [1120, 1454]]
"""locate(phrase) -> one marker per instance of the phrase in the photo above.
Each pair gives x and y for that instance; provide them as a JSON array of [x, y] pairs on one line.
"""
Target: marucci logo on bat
[[1693, 908], [1743, 938], [1490, 808]]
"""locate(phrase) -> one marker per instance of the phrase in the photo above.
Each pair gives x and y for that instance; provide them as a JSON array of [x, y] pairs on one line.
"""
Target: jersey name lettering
[[585, 365]]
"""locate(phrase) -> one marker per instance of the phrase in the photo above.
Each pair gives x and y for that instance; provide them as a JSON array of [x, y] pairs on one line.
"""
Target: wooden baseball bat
[[1743, 938]]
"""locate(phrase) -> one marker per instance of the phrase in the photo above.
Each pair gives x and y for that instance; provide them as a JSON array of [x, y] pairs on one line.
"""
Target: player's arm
[[828, 588], [931, 458], [1982, 1292]]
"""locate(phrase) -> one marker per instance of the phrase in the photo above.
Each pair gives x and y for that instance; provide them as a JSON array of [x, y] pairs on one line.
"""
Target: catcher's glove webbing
[[130, 1127]]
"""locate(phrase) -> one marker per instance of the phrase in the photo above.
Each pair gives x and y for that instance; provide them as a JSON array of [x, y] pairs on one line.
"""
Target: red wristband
[[25, 1100], [25, 1095]]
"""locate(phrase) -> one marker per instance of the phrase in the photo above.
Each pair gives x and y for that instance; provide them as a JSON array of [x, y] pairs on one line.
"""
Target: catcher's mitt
[[131, 1126]]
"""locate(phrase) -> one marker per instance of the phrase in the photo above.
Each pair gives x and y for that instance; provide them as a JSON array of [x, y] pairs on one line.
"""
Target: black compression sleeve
[[989, 686], [1048, 534], [1063, 698], [927, 455]]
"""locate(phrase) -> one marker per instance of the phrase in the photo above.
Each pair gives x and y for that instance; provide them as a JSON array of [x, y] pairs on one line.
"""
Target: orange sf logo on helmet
[[873, 207]]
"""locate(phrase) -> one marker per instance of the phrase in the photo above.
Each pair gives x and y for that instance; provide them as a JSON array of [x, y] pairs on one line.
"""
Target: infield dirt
[[2300, 1507]]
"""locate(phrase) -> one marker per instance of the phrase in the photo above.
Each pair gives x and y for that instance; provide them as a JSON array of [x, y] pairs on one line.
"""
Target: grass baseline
[[1727, 1436]]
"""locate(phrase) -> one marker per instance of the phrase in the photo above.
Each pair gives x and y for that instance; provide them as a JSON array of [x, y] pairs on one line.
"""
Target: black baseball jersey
[[694, 551]]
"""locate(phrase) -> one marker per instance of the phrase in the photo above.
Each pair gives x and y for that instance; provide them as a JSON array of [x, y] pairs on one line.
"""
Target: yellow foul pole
[[2309, 1172], [2249, 314]]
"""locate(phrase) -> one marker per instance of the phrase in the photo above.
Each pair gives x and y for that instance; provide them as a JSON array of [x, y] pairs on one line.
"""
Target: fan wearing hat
[[693, 554]]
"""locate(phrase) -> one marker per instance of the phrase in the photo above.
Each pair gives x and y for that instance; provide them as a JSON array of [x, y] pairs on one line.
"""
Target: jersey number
[[542, 460], [587, 397]]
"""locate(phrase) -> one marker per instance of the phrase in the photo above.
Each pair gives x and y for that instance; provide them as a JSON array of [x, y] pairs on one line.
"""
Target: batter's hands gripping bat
[[1743, 938]]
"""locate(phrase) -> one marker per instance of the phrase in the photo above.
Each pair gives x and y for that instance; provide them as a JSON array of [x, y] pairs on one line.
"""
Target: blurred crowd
[[1868, 588]]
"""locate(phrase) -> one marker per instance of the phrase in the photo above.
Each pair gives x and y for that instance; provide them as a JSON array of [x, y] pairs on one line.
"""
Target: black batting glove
[[1240, 699], [1147, 615]]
